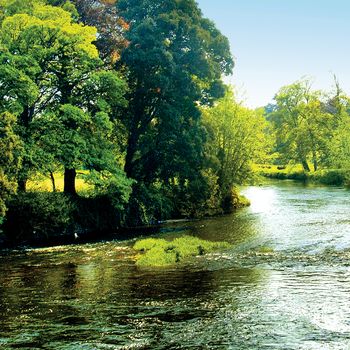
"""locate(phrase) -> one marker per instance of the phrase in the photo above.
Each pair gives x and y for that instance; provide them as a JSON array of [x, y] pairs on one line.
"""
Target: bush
[[331, 177], [198, 197], [149, 205], [97, 214], [233, 200], [46, 217], [38, 214]]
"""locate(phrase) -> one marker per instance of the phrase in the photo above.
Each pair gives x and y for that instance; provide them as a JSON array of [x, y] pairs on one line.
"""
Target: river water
[[284, 285]]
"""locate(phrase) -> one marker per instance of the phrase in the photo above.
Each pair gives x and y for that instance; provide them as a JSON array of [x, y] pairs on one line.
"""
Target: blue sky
[[276, 42]]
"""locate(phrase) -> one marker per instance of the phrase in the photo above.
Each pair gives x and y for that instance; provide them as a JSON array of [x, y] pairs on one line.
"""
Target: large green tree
[[236, 140], [338, 105], [53, 62], [301, 123], [103, 15], [173, 63]]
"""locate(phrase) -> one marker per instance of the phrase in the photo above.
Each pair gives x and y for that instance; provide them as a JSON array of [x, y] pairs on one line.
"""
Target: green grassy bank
[[330, 177]]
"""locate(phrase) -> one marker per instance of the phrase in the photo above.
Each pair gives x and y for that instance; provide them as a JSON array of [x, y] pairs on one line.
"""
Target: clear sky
[[276, 42]]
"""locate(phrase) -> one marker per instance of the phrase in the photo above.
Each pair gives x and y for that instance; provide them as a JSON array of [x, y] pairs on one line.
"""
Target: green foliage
[[38, 214], [302, 124], [175, 59], [111, 184], [159, 252], [282, 172], [149, 204], [10, 159], [311, 127], [332, 177], [98, 214], [339, 145], [64, 108], [16, 89], [125, 88], [198, 197], [144, 245], [238, 201], [236, 138]]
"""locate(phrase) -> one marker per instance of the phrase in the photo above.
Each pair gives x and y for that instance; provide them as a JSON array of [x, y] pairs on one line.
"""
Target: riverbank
[[42, 219], [329, 177]]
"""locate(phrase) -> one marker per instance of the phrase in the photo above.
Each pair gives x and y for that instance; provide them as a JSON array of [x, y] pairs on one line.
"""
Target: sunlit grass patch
[[265, 250], [43, 183], [243, 201], [333, 177], [149, 243], [159, 252]]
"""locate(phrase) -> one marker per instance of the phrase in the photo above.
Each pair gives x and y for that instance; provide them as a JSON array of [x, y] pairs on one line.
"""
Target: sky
[[276, 42]]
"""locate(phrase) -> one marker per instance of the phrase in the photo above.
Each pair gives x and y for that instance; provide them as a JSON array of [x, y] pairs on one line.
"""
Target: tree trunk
[[22, 185], [27, 115], [305, 165], [315, 161], [130, 152], [53, 183], [69, 181]]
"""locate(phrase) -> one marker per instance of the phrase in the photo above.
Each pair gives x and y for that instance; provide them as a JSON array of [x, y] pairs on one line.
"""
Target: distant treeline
[[311, 128]]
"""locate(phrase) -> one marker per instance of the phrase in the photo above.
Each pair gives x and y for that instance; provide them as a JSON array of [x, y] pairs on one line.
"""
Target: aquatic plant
[[159, 252], [265, 250]]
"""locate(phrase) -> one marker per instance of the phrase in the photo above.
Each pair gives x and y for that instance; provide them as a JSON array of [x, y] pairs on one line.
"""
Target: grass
[[331, 177], [43, 184], [288, 172], [265, 250], [159, 252]]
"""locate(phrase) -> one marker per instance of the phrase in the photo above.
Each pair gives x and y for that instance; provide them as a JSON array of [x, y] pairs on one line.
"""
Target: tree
[[301, 124], [236, 139], [103, 15], [173, 63], [339, 157], [338, 105], [10, 159], [73, 138], [59, 64]]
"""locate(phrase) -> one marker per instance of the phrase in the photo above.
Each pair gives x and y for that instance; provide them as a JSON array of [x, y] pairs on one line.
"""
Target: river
[[284, 285]]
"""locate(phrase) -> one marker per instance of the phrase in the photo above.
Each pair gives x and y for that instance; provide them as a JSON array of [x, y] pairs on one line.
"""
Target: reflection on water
[[294, 295]]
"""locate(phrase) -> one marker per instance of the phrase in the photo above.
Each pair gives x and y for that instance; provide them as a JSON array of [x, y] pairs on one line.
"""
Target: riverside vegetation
[[115, 114], [159, 252], [125, 99], [310, 129]]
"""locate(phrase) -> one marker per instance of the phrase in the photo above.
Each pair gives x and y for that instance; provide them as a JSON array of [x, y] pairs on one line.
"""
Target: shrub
[[37, 217], [38, 214], [233, 200], [97, 214], [149, 204], [337, 177]]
